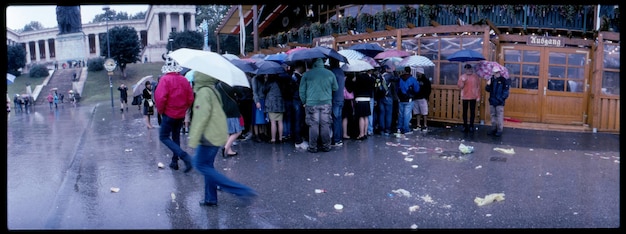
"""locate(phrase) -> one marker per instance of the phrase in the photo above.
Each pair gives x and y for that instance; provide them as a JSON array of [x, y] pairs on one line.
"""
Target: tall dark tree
[[16, 59], [125, 46], [186, 39], [213, 14], [32, 26]]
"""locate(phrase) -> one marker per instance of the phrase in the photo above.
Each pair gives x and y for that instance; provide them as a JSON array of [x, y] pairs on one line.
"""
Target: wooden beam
[[389, 28], [443, 29], [435, 23], [493, 26]]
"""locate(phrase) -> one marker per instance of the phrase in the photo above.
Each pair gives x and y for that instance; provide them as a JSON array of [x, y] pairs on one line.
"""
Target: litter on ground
[[465, 149], [504, 151], [489, 199], [115, 190], [402, 192], [413, 208]]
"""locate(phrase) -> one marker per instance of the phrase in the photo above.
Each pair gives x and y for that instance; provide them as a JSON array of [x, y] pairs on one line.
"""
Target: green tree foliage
[[16, 59], [32, 26], [39, 70], [117, 16], [125, 46], [95, 64], [186, 39], [213, 14]]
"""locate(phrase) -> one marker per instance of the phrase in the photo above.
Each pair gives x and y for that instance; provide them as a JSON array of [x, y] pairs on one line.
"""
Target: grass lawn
[[19, 85]]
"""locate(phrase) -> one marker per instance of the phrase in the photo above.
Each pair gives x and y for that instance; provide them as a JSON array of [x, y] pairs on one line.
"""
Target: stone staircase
[[62, 80]]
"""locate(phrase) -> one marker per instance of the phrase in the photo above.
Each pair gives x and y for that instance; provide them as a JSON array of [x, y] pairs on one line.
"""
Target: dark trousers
[[471, 105]]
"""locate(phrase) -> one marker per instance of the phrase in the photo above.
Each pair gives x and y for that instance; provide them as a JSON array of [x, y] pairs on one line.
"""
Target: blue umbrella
[[304, 55], [266, 67], [331, 53], [466, 56], [245, 66], [279, 57], [368, 49]]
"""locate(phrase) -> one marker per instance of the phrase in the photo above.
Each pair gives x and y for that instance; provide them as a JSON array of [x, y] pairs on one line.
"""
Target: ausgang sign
[[545, 41]]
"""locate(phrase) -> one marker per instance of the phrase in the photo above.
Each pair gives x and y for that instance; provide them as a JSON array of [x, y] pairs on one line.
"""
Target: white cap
[[420, 70], [495, 69]]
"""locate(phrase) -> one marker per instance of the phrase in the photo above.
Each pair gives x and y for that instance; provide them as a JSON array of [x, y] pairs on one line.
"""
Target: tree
[[186, 39], [32, 26], [213, 14], [16, 59], [125, 46], [117, 16]]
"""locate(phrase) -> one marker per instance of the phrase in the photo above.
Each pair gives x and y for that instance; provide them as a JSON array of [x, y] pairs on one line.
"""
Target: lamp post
[[106, 18]]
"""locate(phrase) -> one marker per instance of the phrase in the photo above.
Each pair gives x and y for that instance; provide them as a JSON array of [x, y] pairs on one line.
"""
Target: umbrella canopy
[[368, 49], [356, 66], [279, 57], [331, 53], [258, 56], [295, 49], [304, 55], [230, 56], [266, 67], [212, 64], [351, 54], [416, 61], [140, 85], [485, 69], [10, 78], [371, 61], [466, 56], [391, 61], [392, 53], [245, 66]]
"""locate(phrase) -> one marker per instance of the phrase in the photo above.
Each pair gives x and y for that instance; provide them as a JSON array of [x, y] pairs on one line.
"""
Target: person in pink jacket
[[469, 83], [173, 96]]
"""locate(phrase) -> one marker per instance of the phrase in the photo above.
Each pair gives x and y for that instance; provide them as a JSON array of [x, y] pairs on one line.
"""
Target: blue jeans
[[404, 117], [204, 163], [297, 120], [319, 119], [287, 118], [370, 119], [170, 126], [337, 126], [385, 113]]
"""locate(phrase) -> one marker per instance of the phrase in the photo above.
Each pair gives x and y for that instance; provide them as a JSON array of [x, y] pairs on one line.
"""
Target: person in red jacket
[[173, 96]]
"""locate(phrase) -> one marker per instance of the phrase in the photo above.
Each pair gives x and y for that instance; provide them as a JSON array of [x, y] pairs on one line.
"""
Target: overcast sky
[[20, 15]]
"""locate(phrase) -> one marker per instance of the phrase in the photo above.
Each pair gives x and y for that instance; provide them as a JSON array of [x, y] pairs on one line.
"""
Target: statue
[[69, 20]]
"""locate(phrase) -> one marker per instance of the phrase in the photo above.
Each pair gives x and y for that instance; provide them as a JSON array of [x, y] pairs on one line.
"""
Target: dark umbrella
[[245, 66], [279, 57], [331, 53], [368, 49], [266, 67], [304, 55], [466, 56]]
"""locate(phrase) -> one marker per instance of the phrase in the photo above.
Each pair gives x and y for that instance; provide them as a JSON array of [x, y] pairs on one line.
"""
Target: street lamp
[[106, 18]]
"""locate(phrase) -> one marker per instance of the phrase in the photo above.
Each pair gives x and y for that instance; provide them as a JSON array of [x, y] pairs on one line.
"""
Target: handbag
[[347, 95]]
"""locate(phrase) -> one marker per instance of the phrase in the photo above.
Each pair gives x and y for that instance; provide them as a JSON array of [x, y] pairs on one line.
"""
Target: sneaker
[[408, 133], [325, 149], [425, 129], [312, 150], [174, 165], [417, 128], [386, 134], [339, 143]]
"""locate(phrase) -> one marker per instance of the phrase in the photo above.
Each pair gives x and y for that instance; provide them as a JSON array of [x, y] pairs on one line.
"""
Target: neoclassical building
[[153, 32]]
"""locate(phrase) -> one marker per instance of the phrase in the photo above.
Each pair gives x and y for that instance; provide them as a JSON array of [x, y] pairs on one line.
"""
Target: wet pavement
[[62, 165]]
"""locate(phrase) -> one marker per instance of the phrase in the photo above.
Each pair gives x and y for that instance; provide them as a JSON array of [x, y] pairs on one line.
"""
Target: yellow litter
[[505, 151], [489, 199]]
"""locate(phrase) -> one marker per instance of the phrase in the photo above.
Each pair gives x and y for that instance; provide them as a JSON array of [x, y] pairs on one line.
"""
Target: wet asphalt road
[[62, 164]]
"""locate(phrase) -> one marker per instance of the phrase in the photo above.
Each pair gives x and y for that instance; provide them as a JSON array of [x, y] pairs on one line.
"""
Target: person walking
[[337, 102], [173, 97], [387, 94], [55, 100], [229, 103], [420, 102], [148, 103], [123, 97], [207, 134], [407, 87], [469, 83], [316, 92], [363, 91], [50, 99], [498, 89]]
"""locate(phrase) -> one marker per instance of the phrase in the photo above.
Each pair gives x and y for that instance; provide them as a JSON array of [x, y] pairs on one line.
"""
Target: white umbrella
[[212, 64], [351, 54], [416, 61], [140, 85], [356, 65], [10, 78]]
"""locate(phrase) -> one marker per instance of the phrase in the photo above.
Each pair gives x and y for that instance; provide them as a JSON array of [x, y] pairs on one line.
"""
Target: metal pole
[[106, 18]]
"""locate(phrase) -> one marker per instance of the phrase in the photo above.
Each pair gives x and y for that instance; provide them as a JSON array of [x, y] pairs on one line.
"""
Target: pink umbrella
[[392, 53], [485, 69]]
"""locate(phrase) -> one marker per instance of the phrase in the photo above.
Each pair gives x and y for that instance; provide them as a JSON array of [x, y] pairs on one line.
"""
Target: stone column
[[37, 53], [192, 22], [168, 26], [47, 49], [28, 52], [97, 45], [181, 22]]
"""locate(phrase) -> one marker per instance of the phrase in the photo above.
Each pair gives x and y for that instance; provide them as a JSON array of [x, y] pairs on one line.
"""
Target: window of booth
[[566, 72], [523, 66], [610, 75]]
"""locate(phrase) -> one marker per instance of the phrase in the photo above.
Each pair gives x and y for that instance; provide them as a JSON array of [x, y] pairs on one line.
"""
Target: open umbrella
[[230, 56], [351, 54], [466, 56], [10, 78], [296, 49], [368, 49], [331, 53], [212, 64], [392, 53], [140, 85], [267, 67], [278, 57], [416, 61], [371, 61], [304, 55], [356, 66], [485, 69], [245, 66]]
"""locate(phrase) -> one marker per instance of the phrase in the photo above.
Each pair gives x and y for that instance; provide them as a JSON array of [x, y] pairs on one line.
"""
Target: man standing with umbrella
[[316, 92], [173, 96], [498, 89]]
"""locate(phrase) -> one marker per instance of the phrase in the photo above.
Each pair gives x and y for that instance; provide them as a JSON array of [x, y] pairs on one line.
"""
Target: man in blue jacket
[[498, 89], [407, 88]]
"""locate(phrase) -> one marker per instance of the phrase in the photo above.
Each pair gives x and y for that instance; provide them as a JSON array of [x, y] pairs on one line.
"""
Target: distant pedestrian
[[469, 83], [123, 97], [498, 89], [420, 101], [207, 134], [173, 97], [50, 100], [17, 102], [61, 96], [316, 92], [148, 103]]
